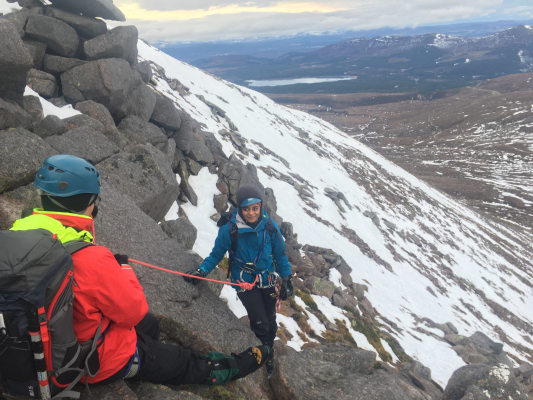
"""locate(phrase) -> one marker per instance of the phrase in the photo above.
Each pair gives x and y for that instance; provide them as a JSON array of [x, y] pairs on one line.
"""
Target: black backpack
[[40, 355], [225, 218]]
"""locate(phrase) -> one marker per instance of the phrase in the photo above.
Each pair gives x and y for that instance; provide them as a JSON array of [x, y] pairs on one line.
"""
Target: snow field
[[402, 295]]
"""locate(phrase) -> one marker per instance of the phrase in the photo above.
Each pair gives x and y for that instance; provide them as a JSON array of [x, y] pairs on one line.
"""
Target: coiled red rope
[[242, 285]]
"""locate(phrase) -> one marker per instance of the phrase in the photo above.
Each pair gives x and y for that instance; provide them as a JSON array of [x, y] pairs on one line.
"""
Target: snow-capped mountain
[[387, 45], [387, 64], [425, 258]]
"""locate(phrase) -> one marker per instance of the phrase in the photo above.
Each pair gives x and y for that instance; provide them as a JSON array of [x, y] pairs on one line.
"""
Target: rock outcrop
[[340, 373], [165, 114], [145, 167], [92, 8], [58, 35], [43, 83], [482, 381], [21, 156], [110, 82], [15, 62], [56, 65], [120, 42], [12, 115], [86, 27], [181, 230], [37, 51], [478, 348]]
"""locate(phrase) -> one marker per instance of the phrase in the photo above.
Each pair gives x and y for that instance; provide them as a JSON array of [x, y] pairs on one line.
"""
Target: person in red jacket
[[107, 290]]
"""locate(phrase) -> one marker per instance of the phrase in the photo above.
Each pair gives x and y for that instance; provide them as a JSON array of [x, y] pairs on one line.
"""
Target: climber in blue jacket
[[256, 255]]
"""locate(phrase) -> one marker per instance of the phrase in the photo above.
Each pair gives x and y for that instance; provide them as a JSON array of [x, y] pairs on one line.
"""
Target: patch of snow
[[362, 341], [232, 300], [501, 372], [296, 342], [49, 109], [329, 310], [315, 324], [332, 313], [336, 277], [388, 349], [204, 185], [172, 213], [526, 60]]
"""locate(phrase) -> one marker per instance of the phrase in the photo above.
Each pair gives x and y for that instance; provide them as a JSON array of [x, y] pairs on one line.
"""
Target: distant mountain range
[[422, 63], [271, 47]]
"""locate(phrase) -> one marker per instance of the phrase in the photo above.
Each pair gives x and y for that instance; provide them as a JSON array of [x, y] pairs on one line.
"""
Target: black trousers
[[261, 307], [163, 363]]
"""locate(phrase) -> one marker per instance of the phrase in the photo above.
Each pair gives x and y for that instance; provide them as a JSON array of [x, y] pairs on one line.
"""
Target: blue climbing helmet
[[64, 175], [249, 194]]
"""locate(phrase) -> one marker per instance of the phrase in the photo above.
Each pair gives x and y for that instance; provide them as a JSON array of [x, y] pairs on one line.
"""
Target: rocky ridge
[[140, 137]]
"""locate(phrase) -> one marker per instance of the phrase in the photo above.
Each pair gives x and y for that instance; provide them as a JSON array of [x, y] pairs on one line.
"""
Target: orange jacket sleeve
[[118, 293]]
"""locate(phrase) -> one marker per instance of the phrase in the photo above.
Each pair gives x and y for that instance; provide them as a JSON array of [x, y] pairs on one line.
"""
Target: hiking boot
[[267, 341], [225, 369], [270, 366]]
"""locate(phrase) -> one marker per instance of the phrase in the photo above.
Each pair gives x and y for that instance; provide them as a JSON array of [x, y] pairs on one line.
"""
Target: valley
[[474, 143], [386, 64]]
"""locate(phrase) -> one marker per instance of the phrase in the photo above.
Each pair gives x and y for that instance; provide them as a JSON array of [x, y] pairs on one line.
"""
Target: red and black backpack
[[40, 355]]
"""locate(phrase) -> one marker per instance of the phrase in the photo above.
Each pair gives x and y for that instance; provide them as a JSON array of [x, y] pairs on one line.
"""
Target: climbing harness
[[277, 286], [243, 285]]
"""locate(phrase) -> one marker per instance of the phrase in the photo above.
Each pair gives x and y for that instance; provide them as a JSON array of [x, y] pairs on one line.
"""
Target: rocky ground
[[474, 144], [139, 139]]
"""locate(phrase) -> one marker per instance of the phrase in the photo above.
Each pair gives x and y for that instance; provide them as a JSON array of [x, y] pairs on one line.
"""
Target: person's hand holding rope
[[191, 274], [287, 290]]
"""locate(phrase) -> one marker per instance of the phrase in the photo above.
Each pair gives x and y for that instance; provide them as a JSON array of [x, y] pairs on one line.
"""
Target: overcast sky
[[202, 20]]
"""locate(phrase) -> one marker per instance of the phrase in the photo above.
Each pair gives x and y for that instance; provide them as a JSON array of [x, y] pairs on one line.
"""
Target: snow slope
[[447, 263]]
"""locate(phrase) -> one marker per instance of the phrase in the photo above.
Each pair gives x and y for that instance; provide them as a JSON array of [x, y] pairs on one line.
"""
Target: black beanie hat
[[248, 191]]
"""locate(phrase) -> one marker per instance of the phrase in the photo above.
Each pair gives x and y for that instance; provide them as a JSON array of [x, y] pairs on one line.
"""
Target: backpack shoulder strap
[[271, 229], [76, 245], [234, 236], [270, 226]]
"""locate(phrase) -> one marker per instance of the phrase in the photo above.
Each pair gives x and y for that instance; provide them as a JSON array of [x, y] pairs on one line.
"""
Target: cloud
[[134, 10], [523, 12], [209, 20], [172, 5], [265, 19]]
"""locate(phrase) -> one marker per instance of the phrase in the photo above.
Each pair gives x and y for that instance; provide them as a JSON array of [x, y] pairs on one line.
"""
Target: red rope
[[242, 285]]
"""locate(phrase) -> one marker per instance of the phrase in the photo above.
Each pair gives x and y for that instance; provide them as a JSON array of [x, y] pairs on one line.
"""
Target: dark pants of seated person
[[176, 365], [163, 363]]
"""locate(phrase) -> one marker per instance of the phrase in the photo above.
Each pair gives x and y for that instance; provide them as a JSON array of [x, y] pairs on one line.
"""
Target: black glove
[[286, 288], [195, 272], [121, 258]]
